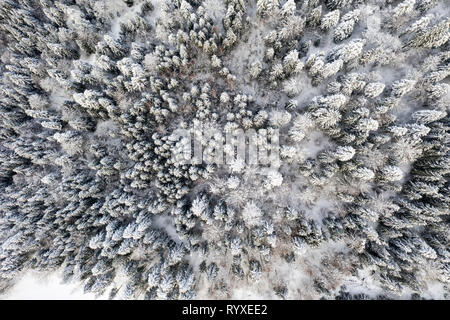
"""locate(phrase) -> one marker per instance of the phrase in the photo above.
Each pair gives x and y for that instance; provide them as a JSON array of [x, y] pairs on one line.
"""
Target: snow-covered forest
[[357, 92]]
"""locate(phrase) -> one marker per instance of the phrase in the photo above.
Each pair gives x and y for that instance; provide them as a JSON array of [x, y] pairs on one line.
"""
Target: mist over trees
[[91, 93]]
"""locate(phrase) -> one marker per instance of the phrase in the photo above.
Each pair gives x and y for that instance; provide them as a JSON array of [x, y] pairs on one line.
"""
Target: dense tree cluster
[[357, 207]]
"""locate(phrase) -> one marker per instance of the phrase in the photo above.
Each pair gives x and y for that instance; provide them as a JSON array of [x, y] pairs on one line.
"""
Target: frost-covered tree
[[183, 149]]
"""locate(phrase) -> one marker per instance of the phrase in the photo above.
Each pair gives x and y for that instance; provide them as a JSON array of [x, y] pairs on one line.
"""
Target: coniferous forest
[[355, 93]]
